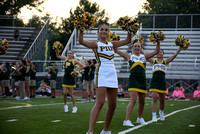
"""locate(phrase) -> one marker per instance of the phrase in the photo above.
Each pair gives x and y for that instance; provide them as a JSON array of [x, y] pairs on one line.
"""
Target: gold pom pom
[[113, 37], [138, 38], [3, 46], [182, 42], [75, 72], [156, 36], [57, 46], [128, 24], [84, 21]]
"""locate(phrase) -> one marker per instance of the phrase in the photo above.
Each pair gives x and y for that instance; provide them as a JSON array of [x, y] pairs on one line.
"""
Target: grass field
[[43, 115]]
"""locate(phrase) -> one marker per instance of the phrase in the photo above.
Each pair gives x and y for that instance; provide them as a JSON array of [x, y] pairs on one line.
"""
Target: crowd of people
[[99, 74]]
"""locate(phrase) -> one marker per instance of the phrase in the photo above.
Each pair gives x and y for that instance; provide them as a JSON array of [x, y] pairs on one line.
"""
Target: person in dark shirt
[[16, 35], [91, 81], [86, 78], [6, 79], [21, 76], [1, 79], [32, 81], [53, 71]]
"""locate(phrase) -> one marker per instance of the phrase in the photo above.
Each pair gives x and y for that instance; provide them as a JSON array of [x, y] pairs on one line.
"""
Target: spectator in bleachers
[[196, 94], [32, 81], [16, 35], [68, 80], [120, 91], [53, 71], [137, 80]]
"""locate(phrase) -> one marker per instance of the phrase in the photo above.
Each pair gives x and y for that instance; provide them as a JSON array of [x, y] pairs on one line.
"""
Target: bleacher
[[185, 66], [17, 49]]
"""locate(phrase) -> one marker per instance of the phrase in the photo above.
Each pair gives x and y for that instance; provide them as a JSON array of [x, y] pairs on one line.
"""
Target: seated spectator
[[182, 90], [16, 35], [47, 79], [197, 94], [178, 93], [120, 91], [44, 89]]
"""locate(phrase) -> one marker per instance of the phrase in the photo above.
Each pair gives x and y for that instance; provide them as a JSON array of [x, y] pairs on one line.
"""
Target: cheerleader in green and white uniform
[[137, 80], [69, 81], [158, 85]]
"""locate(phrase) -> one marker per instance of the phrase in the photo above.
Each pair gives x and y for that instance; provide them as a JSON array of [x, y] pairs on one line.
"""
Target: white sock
[[154, 114], [160, 111]]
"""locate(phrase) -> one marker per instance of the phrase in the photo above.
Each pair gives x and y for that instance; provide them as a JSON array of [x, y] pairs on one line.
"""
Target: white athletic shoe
[[162, 117], [18, 98], [89, 133], [141, 121], [26, 98], [66, 108], [127, 123], [74, 109], [154, 119], [105, 132]]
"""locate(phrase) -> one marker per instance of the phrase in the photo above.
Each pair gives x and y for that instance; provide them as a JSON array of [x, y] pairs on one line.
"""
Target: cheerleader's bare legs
[[101, 93]]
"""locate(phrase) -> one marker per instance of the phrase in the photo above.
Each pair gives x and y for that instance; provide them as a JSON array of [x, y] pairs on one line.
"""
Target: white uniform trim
[[140, 58]]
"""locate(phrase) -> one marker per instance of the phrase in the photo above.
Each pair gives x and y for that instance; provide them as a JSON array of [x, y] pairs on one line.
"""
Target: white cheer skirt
[[106, 76]]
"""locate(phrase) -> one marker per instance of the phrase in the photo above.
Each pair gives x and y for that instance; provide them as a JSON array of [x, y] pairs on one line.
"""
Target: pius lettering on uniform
[[106, 48], [159, 67]]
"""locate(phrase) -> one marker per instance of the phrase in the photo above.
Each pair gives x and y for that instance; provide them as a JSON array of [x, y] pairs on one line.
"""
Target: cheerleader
[[105, 75], [68, 80], [158, 84], [137, 80]]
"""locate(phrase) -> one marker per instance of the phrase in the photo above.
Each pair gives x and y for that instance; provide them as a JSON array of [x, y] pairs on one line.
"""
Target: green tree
[[64, 32], [172, 6], [13, 7], [67, 25]]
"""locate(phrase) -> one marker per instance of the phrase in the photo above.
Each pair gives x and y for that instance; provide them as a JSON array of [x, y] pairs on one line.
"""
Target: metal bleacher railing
[[183, 22], [38, 41]]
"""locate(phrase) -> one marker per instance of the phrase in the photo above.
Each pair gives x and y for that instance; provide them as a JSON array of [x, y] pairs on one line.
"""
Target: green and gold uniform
[[137, 78], [68, 80], [158, 83]]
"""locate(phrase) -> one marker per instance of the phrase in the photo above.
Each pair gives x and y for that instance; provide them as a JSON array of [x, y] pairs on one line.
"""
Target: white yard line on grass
[[148, 122], [15, 107]]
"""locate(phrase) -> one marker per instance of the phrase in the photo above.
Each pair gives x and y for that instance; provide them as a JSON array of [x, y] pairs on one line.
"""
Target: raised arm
[[170, 59], [150, 60], [122, 42], [150, 55], [89, 44], [60, 57], [122, 54], [80, 64]]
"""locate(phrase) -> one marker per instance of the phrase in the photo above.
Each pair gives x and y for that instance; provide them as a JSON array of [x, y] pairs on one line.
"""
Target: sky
[[114, 8]]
